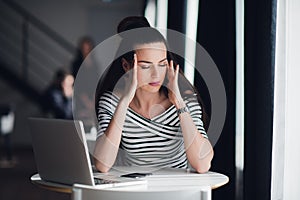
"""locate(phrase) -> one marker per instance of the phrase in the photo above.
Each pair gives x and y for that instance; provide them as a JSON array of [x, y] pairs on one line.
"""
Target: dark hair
[[85, 39], [140, 33], [59, 77], [132, 22]]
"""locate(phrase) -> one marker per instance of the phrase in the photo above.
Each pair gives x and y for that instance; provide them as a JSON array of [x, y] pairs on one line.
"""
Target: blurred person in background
[[85, 46], [85, 68], [58, 96]]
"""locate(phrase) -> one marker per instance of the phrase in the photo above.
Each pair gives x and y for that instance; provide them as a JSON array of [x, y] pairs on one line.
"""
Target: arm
[[107, 145], [198, 149]]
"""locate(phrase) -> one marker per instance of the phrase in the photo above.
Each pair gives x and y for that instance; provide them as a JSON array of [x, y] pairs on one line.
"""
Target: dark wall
[[259, 68], [216, 33]]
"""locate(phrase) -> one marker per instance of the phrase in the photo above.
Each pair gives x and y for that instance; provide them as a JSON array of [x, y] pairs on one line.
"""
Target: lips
[[157, 83]]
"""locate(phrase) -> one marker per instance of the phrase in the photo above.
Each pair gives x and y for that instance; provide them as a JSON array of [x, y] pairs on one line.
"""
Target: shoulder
[[191, 100], [193, 105], [109, 95], [118, 93], [54, 92], [108, 99]]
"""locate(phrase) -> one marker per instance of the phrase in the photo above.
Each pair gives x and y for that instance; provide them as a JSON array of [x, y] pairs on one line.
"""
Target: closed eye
[[162, 65], [148, 66], [145, 66]]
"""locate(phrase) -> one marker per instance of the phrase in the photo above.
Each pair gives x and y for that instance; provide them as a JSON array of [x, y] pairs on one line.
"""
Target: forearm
[[198, 149], [107, 145]]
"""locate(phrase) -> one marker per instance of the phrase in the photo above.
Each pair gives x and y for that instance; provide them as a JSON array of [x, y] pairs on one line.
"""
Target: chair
[[7, 119], [84, 192]]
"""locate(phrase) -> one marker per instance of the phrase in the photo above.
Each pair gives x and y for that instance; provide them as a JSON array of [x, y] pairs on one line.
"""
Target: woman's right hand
[[131, 82]]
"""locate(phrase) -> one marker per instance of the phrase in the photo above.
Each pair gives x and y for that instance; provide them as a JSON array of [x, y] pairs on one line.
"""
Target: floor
[[15, 179]]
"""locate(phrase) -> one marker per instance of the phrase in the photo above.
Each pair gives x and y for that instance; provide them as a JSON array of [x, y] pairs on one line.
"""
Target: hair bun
[[132, 22]]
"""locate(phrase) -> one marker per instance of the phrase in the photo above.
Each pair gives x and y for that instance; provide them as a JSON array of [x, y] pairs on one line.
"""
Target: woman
[[59, 95], [150, 120]]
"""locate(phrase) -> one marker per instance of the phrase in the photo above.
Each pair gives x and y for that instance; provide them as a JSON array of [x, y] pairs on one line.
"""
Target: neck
[[149, 104], [145, 100]]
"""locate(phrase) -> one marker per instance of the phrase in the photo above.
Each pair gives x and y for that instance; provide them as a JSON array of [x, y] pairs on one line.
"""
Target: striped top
[[156, 142]]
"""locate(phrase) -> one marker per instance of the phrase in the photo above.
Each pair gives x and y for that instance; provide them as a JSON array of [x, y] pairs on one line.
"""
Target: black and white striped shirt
[[156, 142]]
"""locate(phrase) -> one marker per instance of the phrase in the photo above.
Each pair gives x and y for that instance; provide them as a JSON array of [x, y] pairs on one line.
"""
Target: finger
[[171, 64], [134, 64], [171, 68], [134, 60], [135, 69], [177, 70]]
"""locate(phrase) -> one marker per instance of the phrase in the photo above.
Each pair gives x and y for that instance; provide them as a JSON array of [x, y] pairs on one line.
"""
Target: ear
[[125, 64]]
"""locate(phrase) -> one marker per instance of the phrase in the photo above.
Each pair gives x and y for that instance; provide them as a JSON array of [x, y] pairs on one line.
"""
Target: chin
[[151, 89]]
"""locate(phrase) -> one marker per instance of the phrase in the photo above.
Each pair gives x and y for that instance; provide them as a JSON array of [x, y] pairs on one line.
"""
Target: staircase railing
[[30, 49]]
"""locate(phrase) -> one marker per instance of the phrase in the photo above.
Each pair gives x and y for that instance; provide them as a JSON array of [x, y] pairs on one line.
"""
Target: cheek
[[163, 72], [142, 77]]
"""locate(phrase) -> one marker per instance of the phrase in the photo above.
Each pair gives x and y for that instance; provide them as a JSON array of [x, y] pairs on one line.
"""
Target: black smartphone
[[136, 175]]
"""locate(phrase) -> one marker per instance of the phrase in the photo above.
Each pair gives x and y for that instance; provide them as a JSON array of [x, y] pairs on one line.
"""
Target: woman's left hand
[[174, 93]]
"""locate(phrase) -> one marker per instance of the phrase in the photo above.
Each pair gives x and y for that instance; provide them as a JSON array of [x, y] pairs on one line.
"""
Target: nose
[[154, 72]]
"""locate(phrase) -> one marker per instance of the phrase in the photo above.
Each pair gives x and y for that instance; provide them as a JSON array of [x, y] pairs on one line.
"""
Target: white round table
[[169, 184]]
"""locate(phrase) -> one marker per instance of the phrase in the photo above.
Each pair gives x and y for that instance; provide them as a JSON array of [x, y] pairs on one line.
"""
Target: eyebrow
[[144, 61]]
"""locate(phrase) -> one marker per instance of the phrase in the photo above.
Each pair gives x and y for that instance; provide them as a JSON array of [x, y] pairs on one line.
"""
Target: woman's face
[[86, 48], [68, 82], [152, 66]]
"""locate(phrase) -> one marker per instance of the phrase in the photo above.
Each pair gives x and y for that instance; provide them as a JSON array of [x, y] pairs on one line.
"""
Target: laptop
[[62, 156]]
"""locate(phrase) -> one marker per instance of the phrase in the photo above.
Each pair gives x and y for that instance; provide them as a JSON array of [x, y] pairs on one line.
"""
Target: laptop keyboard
[[99, 181]]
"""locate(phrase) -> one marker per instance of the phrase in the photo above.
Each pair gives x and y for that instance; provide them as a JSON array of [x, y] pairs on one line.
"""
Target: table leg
[[206, 193]]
